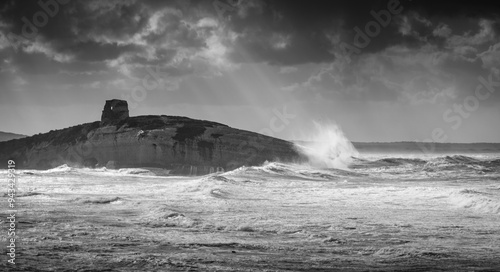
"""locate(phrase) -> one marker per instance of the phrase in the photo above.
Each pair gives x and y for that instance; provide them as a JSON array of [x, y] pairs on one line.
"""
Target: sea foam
[[327, 147]]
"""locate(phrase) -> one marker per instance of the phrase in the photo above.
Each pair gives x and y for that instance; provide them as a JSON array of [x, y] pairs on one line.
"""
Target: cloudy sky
[[382, 70]]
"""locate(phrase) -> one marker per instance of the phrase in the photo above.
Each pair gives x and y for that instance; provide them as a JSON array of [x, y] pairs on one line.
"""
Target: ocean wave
[[448, 163], [449, 166], [476, 200], [136, 171], [59, 169], [163, 216], [292, 171], [386, 162], [461, 163], [62, 169]]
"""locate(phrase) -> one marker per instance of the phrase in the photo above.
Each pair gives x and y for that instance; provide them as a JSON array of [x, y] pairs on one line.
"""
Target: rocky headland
[[183, 145]]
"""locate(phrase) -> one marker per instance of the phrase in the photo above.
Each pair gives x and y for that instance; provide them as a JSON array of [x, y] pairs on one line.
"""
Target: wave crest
[[476, 200]]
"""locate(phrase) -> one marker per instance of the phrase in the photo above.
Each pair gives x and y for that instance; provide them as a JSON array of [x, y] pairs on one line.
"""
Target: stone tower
[[114, 111]]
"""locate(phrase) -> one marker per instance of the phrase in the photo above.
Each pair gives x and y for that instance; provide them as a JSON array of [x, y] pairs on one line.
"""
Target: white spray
[[327, 147]]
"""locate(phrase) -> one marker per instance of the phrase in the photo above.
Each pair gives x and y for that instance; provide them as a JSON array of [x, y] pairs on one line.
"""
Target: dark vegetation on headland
[[150, 122]]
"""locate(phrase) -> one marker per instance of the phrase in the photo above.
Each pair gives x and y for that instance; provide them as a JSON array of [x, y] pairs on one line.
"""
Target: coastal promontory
[[183, 145]]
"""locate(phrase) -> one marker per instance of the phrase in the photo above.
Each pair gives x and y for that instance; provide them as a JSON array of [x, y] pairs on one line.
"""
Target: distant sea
[[429, 148]]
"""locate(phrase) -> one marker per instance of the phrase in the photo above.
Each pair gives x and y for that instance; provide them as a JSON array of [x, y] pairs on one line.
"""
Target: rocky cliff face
[[184, 145]]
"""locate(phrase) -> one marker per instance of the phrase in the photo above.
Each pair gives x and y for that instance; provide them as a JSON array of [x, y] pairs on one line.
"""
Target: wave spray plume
[[327, 147]]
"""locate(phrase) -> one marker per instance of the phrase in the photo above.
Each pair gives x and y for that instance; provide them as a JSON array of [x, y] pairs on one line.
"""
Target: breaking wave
[[327, 147], [59, 169], [273, 170], [479, 201]]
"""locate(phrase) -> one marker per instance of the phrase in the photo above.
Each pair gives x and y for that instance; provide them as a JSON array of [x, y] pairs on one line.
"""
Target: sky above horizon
[[381, 70]]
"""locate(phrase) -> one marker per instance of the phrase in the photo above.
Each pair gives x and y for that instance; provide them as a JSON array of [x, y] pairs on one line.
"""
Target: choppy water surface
[[384, 212]]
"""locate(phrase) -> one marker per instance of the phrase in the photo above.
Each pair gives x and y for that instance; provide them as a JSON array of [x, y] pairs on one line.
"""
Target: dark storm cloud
[[78, 28], [81, 38], [162, 56], [310, 27], [278, 32], [472, 9], [310, 31], [173, 30], [114, 20], [305, 27], [96, 51]]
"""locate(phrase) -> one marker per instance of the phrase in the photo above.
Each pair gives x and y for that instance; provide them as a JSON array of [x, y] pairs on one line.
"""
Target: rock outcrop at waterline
[[184, 145]]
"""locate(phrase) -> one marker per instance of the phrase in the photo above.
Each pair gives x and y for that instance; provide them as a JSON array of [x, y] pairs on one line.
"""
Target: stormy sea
[[361, 207]]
